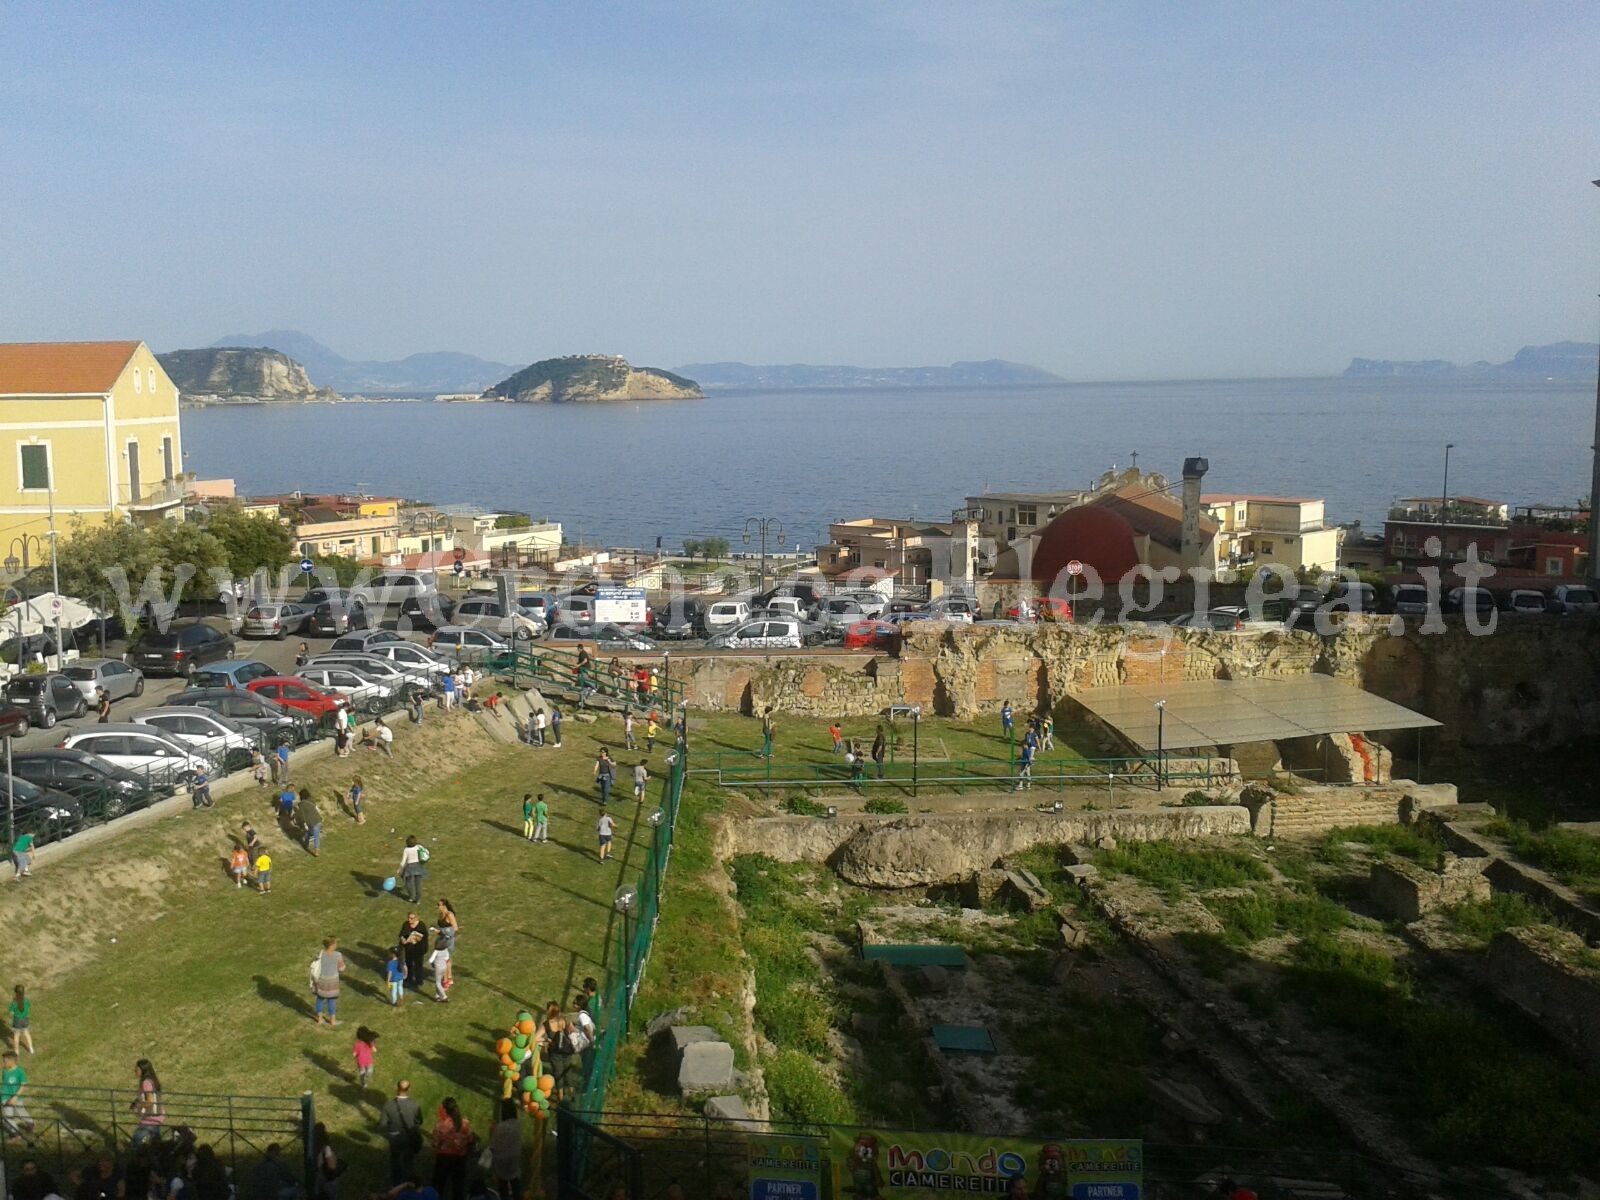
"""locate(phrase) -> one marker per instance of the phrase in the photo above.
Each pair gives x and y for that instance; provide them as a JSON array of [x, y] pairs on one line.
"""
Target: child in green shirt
[[21, 1014], [13, 1113], [527, 815]]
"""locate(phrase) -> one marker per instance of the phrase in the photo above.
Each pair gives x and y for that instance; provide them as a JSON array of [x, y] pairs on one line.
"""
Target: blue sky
[[1111, 191]]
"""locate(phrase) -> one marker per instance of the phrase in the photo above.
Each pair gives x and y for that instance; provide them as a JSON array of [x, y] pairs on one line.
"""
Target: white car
[[726, 614], [841, 612], [409, 656], [362, 694], [375, 669], [781, 634], [210, 733], [1574, 598], [872, 603], [485, 612], [391, 589], [152, 754]]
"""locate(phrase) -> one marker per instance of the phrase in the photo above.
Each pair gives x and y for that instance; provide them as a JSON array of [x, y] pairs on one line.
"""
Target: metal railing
[[960, 775], [551, 668]]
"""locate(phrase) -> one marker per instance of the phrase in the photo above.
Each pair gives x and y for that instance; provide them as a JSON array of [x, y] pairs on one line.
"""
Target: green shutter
[[35, 467]]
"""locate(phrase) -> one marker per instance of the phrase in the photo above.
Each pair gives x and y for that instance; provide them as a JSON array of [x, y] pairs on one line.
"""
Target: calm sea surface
[[627, 473]]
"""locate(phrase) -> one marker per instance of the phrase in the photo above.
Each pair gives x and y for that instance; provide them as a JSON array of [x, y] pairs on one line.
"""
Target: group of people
[[421, 949], [1037, 737]]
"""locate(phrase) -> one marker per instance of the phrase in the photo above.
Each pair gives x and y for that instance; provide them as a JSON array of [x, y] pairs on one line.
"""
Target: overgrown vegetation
[[1261, 914], [804, 806], [885, 805], [1420, 844], [1102, 1089], [1482, 919], [1572, 857], [1172, 866]]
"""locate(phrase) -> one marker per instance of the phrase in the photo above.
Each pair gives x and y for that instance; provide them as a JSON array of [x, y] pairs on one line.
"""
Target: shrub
[[800, 1091], [1170, 866], [1485, 918], [1418, 843], [804, 806], [1196, 799], [1250, 918], [885, 804], [1572, 857], [1254, 796]]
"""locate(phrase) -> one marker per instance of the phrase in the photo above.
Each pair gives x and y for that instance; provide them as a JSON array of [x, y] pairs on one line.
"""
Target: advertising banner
[[619, 606], [785, 1168], [880, 1165]]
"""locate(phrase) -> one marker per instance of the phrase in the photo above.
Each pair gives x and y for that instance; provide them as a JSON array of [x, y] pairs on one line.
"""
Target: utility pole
[[55, 573], [1594, 487], [767, 527]]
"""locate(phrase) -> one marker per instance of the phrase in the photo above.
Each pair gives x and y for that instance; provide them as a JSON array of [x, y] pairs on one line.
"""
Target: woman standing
[[21, 1015], [413, 941], [329, 966], [329, 1168], [147, 1104], [412, 870], [505, 1151], [452, 1142], [448, 928]]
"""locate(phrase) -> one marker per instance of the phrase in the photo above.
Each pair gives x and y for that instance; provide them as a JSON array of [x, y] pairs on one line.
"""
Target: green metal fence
[[750, 770], [634, 936], [550, 668]]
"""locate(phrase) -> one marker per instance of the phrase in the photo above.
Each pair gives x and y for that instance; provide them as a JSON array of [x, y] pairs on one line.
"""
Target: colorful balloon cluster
[[520, 1071]]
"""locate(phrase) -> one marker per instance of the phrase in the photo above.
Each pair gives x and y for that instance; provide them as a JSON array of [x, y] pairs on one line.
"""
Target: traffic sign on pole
[[458, 567], [307, 566], [1074, 567]]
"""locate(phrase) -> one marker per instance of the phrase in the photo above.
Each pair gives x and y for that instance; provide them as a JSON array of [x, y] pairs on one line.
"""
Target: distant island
[[422, 374], [236, 373], [591, 378], [1559, 360], [991, 372]]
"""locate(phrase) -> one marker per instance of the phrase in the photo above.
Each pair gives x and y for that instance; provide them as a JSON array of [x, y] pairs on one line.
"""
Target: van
[[726, 614]]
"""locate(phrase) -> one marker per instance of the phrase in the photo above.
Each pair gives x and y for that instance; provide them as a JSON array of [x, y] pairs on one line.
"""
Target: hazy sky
[[1109, 191]]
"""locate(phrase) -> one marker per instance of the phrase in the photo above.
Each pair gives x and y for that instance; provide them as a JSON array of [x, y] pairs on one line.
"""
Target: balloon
[[525, 1027], [503, 1046], [524, 1015], [520, 1041], [547, 1084], [388, 884], [505, 1061]]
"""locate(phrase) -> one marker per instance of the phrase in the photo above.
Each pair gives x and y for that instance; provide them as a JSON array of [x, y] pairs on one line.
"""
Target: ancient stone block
[[706, 1069], [684, 1036], [727, 1108], [1408, 891]]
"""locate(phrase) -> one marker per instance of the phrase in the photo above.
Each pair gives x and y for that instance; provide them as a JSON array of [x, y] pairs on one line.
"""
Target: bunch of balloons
[[520, 1073]]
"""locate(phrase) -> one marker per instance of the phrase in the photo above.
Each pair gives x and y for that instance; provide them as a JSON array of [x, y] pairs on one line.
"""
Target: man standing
[[311, 818], [880, 750], [448, 686], [555, 724], [281, 766], [541, 820], [767, 730], [605, 772], [1025, 767], [402, 1129]]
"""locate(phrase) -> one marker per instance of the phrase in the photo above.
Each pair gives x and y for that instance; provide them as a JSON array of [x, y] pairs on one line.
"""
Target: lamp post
[[623, 903], [1161, 745], [765, 526], [55, 574], [16, 568], [1444, 497], [1594, 487]]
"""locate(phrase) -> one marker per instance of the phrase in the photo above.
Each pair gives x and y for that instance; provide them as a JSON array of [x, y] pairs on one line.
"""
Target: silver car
[[118, 678], [466, 643], [211, 734], [363, 693], [274, 620]]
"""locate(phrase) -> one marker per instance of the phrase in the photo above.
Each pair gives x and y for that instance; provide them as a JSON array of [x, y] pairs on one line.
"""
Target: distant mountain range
[[1559, 360], [990, 373], [427, 373]]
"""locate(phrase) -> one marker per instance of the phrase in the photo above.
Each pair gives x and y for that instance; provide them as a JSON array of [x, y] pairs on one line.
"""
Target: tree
[[89, 555], [252, 541], [342, 569], [513, 520], [716, 547], [188, 553], [691, 547]]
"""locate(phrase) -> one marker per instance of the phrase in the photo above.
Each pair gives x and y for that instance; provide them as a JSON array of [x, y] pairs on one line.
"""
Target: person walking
[[302, 654], [103, 705], [527, 815], [605, 773], [239, 864], [1047, 733], [768, 728], [281, 772], [538, 728], [541, 820], [555, 724], [651, 732], [452, 1142], [880, 749], [584, 1035], [1025, 766], [365, 1052], [505, 1151], [20, 1014], [147, 1104], [401, 1121], [22, 856], [641, 777], [358, 800], [412, 869], [311, 819], [448, 689], [326, 969], [605, 829], [628, 742], [1007, 719], [413, 942], [837, 734], [15, 1119], [394, 974]]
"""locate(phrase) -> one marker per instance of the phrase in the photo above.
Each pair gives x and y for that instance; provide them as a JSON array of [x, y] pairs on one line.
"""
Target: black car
[[13, 720], [683, 618], [807, 593], [47, 698], [103, 788], [279, 724], [333, 618], [41, 811], [431, 610], [178, 650]]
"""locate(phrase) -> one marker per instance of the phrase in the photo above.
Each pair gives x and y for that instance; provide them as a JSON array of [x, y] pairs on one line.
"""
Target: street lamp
[[1594, 486], [765, 526], [623, 902], [1161, 745], [1444, 498]]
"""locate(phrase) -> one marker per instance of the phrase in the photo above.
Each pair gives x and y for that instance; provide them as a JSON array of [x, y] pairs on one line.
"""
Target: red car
[[1043, 608], [874, 635], [293, 692]]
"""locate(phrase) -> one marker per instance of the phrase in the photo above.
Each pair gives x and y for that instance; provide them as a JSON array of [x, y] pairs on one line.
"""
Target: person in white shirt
[[605, 829]]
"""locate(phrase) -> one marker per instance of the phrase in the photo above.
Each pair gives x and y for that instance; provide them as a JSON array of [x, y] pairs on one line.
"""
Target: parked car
[[403, 679], [152, 754], [1525, 602], [178, 649], [725, 614], [1231, 617], [47, 698], [604, 637], [391, 589], [363, 639], [231, 673], [117, 678], [874, 635], [1041, 608], [274, 620], [331, 618], [292, 692], [683, 618], [841, 612], [431, 610], [782, 633], [361, 692], [218, 738], [409, 656], [46, 813], [13, 719], [103, 788], [953, 608], [36, 648], [277, 725], [1408, 599], [792, 607], [575, 608], [538, 604], [1461, 599], [872, 602], [1576, 598], [466, 644], [805, 592], [486, 612]]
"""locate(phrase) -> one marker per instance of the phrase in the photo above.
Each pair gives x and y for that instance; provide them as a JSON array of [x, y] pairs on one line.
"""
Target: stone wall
[[1539, 971], [1409, 892], [912, 851], [1534, 682]]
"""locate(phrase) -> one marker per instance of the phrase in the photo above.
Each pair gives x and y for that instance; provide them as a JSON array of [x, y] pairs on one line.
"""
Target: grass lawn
[[141, 946]]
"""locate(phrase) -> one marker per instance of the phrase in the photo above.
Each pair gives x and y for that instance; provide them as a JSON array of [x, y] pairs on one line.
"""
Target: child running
[[365, 1052]]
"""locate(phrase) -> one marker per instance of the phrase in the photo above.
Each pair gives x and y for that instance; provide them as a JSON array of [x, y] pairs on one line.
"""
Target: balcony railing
[[163, 495], [1450, 516]]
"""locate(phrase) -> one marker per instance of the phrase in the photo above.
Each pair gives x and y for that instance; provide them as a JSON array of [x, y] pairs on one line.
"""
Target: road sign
[[619, 605], [460, 553], [55, 605], [458, 566], [1074, 567], [307, 566]]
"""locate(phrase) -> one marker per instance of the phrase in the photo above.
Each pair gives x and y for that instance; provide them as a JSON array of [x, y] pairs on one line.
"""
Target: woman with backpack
[[453, 1141], [412, 869]]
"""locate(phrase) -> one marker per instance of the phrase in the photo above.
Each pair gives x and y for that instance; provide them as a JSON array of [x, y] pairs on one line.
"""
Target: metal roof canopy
[[1231, 712]]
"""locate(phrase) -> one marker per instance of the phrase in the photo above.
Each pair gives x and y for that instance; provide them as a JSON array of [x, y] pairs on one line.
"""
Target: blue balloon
[[388, 884]]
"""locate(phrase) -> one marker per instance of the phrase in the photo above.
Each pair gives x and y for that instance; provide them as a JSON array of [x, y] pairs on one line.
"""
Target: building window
[[1027, 514], [166, 450], [34, 470], [138, 380], [1554, 566], [1266, 547], [150, 378]]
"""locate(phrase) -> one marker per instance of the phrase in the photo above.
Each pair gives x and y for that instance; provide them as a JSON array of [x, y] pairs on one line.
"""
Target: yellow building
[[91, 427], [1284, 530]]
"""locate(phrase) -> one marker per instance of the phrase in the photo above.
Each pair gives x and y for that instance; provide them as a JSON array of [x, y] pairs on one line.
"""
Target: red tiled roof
[[62, 368]]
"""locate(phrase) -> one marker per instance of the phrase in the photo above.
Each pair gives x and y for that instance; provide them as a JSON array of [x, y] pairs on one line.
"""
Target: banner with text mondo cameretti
[[881, 1165]]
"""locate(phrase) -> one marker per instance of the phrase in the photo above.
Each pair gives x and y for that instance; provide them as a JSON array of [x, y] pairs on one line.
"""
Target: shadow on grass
[[467, 1071], [373, 885], [504, 827], [341, 1087], [278, 994]]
